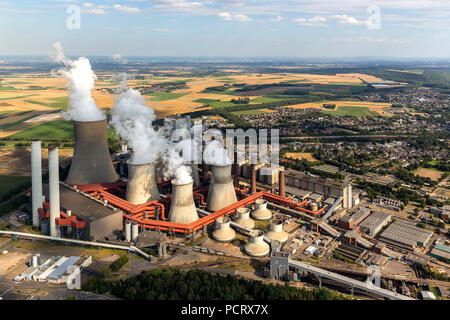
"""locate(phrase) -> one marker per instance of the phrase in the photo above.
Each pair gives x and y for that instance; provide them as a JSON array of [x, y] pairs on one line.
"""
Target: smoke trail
[[215, 154], [81, 78], [132, 120]]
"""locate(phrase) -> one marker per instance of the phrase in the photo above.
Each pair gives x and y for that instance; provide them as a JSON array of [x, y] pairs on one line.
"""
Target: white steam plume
[[215, 154], [81, 78], [177, 159], [132, 120]]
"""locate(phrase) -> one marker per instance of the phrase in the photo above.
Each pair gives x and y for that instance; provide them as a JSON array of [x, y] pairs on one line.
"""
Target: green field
[[163, 96], [52, 130], [60, 102], [216, 103], [10, 182], [243, 112], [351, 111]]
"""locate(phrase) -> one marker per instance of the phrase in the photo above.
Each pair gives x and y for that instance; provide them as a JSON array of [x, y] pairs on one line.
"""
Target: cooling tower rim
[[223, 219], [276, 222], [103, 120], [260, 201], [257, 233], [139, 164], [181, 184]]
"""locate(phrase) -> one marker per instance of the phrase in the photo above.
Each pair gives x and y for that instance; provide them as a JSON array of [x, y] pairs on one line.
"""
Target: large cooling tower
[[91, 161], [141, 187], [182, 208], [256, 247], [261, 212], [221, 191], [224, 233], [276, 231]]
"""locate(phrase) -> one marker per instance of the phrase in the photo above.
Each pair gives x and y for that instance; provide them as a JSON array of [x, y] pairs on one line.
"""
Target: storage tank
[[221, 191], [224, 233], [261, 212], [182, 208], [256, 247], [244, 218], [91, 162], [276, 231], [313, 206], [141, 187]]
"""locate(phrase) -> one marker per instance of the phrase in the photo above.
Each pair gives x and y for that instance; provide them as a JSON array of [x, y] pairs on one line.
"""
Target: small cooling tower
[[221, 191], [141, 187], [244, 218], [182, 208], [224, 233], [256, 247], [91, 162], [276, 231], [261, 212]]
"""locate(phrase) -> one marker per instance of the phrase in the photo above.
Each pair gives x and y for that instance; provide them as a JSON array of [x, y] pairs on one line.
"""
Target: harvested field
[[300, 156], [11, 260], [371, 106], [433, 174]]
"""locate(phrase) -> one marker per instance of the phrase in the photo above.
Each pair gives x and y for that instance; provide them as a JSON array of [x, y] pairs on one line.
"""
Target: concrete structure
[[276, 232], [134, 231], [128, 231], [221, 192], [195, 175], [427, 295], [256, 247], [406, 235], [141, 187], [182, 208], [279, 265], [224, 233], [36, 180], [282, 183], [416, 260], [53, 167], [91, 162], [261, 212], [349, 222], [244, 218], [375, 222]]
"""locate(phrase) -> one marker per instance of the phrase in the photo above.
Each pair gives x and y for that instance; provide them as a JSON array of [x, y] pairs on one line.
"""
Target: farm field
[[300, 156], [348, 105], [433, 174], [353, 111]]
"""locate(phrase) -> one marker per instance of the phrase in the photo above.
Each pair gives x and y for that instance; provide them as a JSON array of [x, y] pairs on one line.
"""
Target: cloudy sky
[[237, 28]]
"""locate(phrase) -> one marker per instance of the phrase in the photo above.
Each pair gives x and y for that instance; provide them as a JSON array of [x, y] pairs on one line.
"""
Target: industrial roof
[[376, 219], [62, 268], [303, 176], [406, 233]]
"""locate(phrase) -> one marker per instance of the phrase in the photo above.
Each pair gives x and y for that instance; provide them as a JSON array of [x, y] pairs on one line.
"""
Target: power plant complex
[[100, 202]]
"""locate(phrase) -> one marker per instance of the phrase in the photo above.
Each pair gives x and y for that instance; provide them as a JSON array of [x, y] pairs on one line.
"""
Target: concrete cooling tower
[[91, 161], [221, 191], [141, 187], [224, 233], [182, 208], [261, 212], [256, 247], [276, 231], [244, 218]]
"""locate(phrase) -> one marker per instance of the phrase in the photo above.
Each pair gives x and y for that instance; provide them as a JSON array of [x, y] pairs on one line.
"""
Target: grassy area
[[351, 111], [265, 99], [60, 102], [52, 130], [243, 112], [10, 182], [163, 96], [18, 97], [216, 103]]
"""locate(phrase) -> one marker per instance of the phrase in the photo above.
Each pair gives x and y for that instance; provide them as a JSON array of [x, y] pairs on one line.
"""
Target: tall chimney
[[182, 208], [195, 176], [91, 161], [53, 179], [236, 170], [281, 183], [221, 192], [36, 180], [141, 187], [253, 179]]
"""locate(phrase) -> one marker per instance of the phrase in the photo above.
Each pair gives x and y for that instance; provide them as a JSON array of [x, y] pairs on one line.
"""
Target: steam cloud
[[132, 120], [81, 78], [215, 154]]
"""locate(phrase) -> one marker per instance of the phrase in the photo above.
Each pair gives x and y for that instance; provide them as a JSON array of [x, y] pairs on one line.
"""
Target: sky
[[227, 28]]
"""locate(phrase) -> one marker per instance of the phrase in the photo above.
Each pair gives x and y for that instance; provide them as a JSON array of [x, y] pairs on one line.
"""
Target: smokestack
[[195, 176], [224, 233], [276, 231], [236, 170], [141, 187], [281, 183], [261, 212], [91, 161], [221, 192], [128, 231], [36, 180], [244, 218], [182, 208], [134, 231], [253, 179], [256, 247], [53, 168]]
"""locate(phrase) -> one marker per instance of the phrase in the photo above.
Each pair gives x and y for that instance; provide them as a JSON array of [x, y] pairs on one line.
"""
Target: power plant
[[182, 208], [276, 232], [256, 247], [141, 187], [221, 192]]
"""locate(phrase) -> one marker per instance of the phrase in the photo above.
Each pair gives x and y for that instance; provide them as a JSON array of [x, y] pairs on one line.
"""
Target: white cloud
[[238, 17], [276, 19], [316, 21], [162, 30], [177, 4], [118, 58], [89, 5], [345, 19], [94, 11], [126, 9]]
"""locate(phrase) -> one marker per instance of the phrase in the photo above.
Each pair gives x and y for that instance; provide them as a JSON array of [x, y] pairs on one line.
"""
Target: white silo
[[53, 167], [128, 231], [141, 187], [261, 212], [221, 192], [36, 180], [134, 231], [256, 247], [244, 218], [224, 233], [276, 231], [182, 207]]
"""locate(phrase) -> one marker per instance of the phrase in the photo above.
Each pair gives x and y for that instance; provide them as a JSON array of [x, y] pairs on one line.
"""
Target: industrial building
[[405, 235], [350, 221], [441, 252], [375, 222]]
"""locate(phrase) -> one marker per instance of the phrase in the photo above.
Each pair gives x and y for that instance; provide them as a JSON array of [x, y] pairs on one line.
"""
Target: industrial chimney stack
[[221, 192], [36, 180], [182, 208], [53, 168], [91, 161], [141, 187]]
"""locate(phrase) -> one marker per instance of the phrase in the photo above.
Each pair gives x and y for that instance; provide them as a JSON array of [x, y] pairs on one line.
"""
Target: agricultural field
[[10, 182], [348, 107], [300, 156], [431, 173]]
